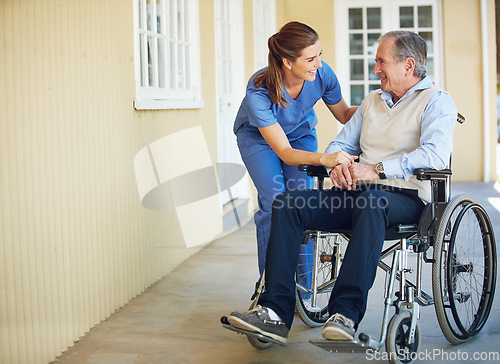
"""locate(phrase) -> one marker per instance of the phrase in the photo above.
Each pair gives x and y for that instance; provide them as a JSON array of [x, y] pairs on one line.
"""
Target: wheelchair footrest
[[344, 346]]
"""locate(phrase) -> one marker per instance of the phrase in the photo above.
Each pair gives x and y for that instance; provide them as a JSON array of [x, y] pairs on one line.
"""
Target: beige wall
[[75, 242], [463, 69]]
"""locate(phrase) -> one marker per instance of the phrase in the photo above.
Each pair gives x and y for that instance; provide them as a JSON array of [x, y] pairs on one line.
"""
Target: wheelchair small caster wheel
[[258, 343], [396, 344]]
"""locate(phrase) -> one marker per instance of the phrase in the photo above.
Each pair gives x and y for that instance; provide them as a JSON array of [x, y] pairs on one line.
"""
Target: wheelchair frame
[[438, 228]]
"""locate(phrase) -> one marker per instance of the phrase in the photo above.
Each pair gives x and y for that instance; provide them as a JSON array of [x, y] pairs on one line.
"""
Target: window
[[362, 22], [167, 62]]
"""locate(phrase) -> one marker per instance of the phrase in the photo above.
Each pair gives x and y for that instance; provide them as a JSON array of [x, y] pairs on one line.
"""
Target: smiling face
[[393, 74], [306, 66]]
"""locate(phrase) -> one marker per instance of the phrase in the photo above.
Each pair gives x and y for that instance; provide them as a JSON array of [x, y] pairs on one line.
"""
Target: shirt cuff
[[393, 169]]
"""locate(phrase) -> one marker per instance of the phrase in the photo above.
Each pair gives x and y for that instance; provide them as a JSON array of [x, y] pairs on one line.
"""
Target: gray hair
[[409, 44]]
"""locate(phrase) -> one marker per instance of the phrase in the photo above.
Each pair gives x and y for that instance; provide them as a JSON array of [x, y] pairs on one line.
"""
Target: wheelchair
[[464, 273], [454, 235]]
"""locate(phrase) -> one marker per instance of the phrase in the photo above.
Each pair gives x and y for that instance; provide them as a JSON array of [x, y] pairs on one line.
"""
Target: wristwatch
[[379, 168]]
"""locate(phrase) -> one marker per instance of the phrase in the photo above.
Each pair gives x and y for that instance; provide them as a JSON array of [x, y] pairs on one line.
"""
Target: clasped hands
[[347, 172]]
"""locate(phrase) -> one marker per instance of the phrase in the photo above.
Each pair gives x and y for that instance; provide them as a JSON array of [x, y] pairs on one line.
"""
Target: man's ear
[[409, 66]]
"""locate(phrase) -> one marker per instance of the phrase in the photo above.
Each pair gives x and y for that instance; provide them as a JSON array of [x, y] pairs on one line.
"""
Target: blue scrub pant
[[271, 177], [367, 211]]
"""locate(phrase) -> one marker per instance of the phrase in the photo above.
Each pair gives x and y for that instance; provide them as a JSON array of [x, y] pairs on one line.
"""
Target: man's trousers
[[367, 211]]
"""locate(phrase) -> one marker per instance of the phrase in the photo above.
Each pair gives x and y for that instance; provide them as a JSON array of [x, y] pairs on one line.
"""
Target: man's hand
[[345, 176], [341, 177], [363, 172]]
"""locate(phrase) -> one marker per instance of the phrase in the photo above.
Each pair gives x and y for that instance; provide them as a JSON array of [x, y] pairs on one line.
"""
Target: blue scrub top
[[298, 119]]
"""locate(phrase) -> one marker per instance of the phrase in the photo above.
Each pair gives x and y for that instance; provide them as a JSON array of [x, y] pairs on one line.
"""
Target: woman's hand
[[331, 160]]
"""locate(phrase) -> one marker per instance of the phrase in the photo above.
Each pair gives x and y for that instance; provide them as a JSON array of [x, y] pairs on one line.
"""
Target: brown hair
[[288, 43]]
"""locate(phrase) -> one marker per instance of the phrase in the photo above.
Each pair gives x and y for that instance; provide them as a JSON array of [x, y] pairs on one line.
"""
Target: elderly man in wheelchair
[[399, 132]]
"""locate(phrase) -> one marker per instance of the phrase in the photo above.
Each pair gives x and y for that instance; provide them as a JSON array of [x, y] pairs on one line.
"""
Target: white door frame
[[230, 87], [264, 26]]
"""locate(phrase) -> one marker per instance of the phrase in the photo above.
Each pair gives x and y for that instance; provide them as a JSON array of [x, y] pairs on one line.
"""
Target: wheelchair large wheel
[[396, 344], [310, 287], [464, 269]]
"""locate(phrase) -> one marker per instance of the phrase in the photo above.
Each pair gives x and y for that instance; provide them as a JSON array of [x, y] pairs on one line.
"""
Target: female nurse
[[275, 124]]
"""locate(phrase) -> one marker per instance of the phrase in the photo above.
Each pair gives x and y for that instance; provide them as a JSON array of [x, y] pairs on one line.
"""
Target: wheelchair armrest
[[421, 173], [425, 174], [313, 171]]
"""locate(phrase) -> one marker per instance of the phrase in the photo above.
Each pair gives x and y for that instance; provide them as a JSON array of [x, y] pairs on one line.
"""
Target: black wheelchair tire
[[396, 344], [451, 291], [258, 343]]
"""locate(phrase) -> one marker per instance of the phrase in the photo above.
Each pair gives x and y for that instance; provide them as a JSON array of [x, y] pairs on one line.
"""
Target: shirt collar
[[421, 85]]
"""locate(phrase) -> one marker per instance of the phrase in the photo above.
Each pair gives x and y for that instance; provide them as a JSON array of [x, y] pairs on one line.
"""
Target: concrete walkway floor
[[177, 319]]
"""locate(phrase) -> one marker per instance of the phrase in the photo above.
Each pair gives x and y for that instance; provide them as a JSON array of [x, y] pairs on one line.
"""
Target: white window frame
[[169, 90], [264, 25], [390, 21]]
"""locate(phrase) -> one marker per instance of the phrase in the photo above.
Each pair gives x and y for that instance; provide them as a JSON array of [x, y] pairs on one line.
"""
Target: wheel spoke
[[316, 313]]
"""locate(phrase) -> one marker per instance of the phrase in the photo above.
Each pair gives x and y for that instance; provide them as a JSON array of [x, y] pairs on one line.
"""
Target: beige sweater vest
[[389, 133]]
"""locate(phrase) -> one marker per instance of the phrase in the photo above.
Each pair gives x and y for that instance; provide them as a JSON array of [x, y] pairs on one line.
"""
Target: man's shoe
[[338, 327], [258, 320]]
